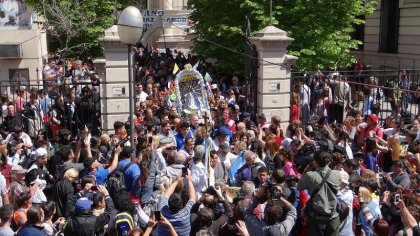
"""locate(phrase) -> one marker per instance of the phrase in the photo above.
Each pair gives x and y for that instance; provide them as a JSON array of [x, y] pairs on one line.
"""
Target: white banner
[[170, 18]]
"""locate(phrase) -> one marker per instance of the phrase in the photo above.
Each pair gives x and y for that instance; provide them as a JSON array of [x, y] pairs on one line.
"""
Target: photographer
[[270, 225], [18, 144], [205, 217]]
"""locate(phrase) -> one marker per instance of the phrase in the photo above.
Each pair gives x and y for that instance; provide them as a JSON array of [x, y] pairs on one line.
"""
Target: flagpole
[[207, 143]]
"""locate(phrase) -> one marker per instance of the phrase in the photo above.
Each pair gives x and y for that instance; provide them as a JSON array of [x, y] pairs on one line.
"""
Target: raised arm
[[191, 189], [114, 163], [172, 187]]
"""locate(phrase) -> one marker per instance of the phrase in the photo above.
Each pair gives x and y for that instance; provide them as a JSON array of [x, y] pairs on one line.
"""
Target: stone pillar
[[174, 37], [114, 85], [273, 86]]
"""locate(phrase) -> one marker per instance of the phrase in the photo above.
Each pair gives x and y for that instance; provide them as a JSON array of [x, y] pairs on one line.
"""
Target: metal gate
[[251, 76]]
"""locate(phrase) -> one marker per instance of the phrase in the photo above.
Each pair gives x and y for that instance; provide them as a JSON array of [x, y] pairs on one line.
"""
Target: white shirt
[[25, 138], [305, 95], [3, 189], [199, 178], [143, 96], [346, 195], [348, 150], [389, 132], [161, 162], [228, 160]]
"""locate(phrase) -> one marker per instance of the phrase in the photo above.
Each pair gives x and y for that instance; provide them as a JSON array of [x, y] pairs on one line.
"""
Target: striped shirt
[[180, 220]]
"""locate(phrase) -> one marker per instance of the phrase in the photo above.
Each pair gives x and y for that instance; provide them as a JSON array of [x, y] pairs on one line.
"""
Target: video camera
[[272, 192], [121, 143]]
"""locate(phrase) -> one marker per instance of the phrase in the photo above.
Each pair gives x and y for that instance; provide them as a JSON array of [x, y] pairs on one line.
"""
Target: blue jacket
[[180, 140], [31, 230], [370, 162], [131, 174]]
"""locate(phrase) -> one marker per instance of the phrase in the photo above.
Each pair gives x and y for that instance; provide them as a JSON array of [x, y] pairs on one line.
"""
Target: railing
[[391, 91], [87, 109]]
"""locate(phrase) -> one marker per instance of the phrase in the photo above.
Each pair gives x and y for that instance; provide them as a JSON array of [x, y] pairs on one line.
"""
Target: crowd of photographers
[[342, 173]]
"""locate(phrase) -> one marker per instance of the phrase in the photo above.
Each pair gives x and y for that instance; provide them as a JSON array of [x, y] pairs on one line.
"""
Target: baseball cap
[[214, 86], [83, 204], [41, 152], [18, 169], [374, 118]]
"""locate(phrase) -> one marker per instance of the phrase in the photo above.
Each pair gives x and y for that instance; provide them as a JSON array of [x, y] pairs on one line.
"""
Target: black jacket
[[63, 195], [216, 225], [89, 225]]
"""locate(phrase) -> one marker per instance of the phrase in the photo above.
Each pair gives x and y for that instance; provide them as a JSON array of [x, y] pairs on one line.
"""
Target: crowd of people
[[336, 170]]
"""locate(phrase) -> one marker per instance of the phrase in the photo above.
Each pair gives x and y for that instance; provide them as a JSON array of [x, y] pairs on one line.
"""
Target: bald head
[[179, 158]]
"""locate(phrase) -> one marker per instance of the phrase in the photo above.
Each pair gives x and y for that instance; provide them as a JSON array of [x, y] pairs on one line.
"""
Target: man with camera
[[322, 184], [271, 195], [204, 211], [18, 144]]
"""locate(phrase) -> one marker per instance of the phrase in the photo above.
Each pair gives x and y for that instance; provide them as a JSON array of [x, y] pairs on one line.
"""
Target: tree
[[75, 26], [321, 29]]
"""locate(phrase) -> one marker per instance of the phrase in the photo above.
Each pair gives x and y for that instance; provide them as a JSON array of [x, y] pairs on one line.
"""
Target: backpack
[[115, 181], [123, 223], [342, 208]]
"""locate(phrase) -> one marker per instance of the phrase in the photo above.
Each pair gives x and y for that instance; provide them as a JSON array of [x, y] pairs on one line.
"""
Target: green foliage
[[320, 28], [74, 26]]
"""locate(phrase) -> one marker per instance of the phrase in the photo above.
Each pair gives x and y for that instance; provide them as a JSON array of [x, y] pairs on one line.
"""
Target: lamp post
[[130, 29]]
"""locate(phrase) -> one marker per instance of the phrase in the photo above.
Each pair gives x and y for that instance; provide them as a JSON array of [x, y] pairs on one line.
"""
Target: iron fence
[[82, 106], [382, 92]]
